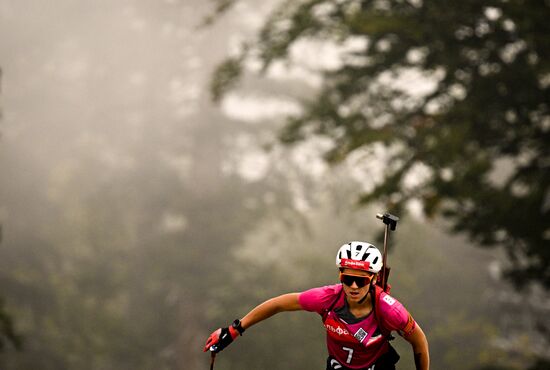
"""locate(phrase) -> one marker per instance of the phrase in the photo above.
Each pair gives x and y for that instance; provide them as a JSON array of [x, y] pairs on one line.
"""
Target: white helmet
[[359, 256]]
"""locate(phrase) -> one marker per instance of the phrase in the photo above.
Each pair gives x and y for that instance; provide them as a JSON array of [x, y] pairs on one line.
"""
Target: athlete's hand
[[220, 339]]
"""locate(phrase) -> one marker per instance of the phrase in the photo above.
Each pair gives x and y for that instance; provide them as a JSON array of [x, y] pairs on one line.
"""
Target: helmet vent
[[375, 260], [365, 256]]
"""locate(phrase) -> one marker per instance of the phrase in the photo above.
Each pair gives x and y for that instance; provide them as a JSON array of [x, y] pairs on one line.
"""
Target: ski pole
[[391, 223], [212, 359]]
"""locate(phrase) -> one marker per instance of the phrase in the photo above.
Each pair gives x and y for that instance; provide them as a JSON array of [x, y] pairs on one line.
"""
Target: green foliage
[[220, 7], [225, 78], [488, 62]]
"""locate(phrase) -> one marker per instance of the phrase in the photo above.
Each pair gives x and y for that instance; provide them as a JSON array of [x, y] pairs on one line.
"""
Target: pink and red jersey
[[357, 345]]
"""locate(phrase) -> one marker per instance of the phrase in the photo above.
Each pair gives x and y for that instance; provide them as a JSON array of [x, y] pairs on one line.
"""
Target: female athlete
[[358, 315]]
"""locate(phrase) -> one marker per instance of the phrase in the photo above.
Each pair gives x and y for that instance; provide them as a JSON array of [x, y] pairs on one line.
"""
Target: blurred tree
[[103, 265], [8, 335], [457, 94]]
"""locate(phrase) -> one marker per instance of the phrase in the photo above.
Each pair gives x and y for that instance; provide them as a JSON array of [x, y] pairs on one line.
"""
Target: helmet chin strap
[[366, 295], [364, 298]]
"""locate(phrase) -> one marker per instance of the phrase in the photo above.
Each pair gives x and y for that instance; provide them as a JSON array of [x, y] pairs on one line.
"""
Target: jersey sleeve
[[319, 299], [395, 316]]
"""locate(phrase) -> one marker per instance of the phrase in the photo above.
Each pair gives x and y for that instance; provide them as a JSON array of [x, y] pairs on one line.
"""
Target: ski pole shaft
[[212, 359]]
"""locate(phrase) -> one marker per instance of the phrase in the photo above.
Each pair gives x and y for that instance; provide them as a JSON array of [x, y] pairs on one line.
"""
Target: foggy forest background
[[167, 165]]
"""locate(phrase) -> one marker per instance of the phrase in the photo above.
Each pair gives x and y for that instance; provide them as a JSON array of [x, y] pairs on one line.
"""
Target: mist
[[137, 216]]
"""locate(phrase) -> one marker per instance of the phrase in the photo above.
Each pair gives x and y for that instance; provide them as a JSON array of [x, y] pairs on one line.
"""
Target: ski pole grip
[[388, 219]]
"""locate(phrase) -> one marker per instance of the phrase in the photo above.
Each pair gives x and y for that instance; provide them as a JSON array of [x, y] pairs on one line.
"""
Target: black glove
[[223, 337]]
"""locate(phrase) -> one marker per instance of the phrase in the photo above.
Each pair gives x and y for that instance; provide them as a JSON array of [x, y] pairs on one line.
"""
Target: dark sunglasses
[[360, 281]]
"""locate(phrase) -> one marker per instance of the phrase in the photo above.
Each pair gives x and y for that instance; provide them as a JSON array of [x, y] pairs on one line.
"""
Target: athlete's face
[[356, 283]]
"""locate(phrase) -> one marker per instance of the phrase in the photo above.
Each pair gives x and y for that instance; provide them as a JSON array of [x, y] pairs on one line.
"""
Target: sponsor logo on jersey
[[337, 330], [389, 300]]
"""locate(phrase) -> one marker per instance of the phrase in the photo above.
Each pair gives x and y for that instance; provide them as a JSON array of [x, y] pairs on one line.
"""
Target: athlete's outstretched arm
[[285, 302], [222, 337], [419, 344]]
